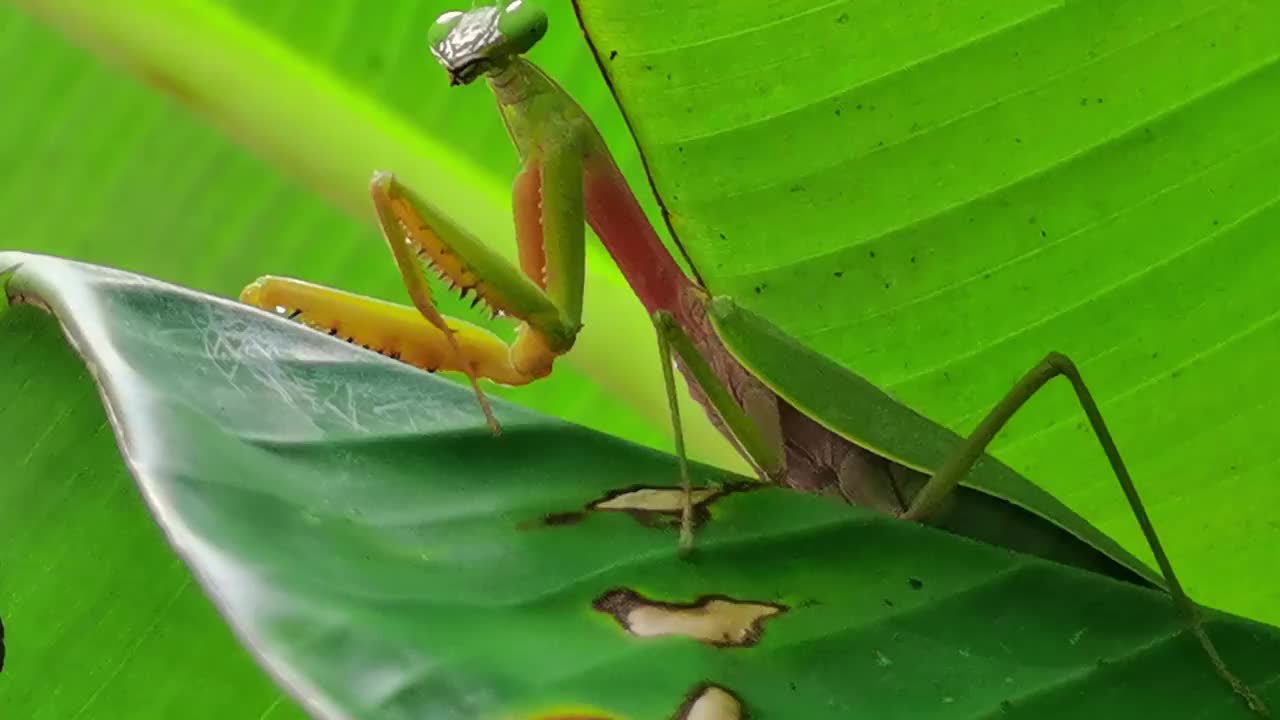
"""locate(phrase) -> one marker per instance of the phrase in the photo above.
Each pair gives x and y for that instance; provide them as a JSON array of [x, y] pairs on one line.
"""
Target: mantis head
[[471, 43]]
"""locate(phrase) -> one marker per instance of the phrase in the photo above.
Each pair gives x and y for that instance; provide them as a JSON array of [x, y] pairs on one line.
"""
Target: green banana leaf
[[937, 194], [305, 104], [383, 556]]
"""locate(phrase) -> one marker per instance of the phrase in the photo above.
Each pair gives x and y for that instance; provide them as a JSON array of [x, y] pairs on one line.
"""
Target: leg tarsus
[[660, 319], [953, 471]]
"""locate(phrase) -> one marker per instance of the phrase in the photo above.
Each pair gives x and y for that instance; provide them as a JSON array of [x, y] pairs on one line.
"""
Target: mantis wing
[[862, 413]]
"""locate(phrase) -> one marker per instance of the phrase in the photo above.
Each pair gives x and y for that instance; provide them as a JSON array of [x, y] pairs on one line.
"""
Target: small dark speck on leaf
[[872, 253], [838, 273], [1044, 233], [648, 67], [1215, 223], [858, 106], [1084, 101], [844, 18], [722, 237], [679, 148], [888, 602], [915, 583], [613, 54], [760, 288], [1006, 706], [1155, 355], [1099, 101], [886, 286], [563, 518], [837, 112], [913, 259], [797, 188], [668, 76], [1018, 140]]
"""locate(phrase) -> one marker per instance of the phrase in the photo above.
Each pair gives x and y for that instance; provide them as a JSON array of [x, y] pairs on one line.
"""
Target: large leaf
[[385, 557], [937, 194], [109, 170], [102, 620]]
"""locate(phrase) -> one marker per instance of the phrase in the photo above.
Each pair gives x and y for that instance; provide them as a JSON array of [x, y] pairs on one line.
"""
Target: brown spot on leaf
[[651, 506], [715, 620], [711, 702], [659, 506], [705, 702], [564, 518]]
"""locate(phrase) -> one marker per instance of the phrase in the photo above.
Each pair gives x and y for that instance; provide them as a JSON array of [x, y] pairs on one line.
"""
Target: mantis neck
[[620, 223], [537, 110]]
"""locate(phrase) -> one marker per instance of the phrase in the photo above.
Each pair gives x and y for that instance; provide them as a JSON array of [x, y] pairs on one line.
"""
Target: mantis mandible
[[799, 419]]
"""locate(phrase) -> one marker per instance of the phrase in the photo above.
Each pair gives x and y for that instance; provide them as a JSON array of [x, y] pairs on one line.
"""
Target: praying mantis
[[799, 419]]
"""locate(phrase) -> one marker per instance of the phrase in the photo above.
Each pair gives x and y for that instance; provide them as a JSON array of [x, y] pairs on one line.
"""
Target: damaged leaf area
[[714, 620], [712, 702], [669, 501], [705, 702], [650, 506], [659, 507]]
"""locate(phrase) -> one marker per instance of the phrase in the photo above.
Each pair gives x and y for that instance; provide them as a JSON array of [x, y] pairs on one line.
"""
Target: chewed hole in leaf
[[716, 620], [711, 702]]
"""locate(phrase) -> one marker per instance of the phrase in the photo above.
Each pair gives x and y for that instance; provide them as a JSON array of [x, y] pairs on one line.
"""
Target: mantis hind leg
[[934, 494]]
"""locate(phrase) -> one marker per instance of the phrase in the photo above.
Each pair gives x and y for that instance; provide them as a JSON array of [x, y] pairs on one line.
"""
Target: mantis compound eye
[[441, 28], [479, 41], [522, 25]]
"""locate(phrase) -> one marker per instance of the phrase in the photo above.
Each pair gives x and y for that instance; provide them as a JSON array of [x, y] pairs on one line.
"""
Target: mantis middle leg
[[763, 450]]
